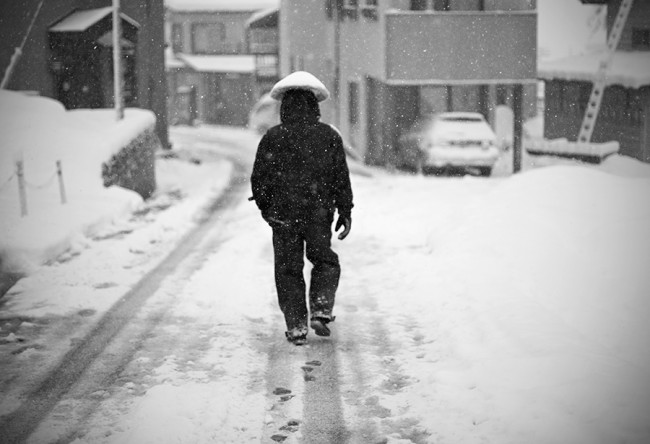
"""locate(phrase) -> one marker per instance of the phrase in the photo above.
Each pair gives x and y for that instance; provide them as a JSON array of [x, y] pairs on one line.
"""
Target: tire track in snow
[[19, 424]]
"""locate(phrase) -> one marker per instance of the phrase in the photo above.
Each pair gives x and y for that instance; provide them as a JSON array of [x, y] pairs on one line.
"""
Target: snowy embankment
[[534, 300], [514, 310], [38, 132]]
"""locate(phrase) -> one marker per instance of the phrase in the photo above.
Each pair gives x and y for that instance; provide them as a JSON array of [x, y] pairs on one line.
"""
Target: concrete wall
[[468, 46]]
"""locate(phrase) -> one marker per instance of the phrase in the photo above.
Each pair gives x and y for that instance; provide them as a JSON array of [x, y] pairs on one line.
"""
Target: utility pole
[[338, 5], [117, 60], [18, 51], [518, 105]]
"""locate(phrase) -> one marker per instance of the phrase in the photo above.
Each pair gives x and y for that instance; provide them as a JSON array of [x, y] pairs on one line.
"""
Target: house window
[[208, 38], [640, 38], [353, 102], [177, 37], [351, 9], [369, 9], [441, 5], [419, 5]]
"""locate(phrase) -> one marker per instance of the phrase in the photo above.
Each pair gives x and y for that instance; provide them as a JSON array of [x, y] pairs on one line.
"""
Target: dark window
[[369, 9], [640, 38], [177, 37], [441, 5], [208, 38], [351, 9], [353, 102], [419, 5]]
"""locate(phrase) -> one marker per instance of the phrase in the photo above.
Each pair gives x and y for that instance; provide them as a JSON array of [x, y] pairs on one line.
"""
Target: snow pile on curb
[[39, 132]]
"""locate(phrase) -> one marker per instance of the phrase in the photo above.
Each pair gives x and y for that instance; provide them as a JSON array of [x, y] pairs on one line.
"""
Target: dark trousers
[[289, 246]]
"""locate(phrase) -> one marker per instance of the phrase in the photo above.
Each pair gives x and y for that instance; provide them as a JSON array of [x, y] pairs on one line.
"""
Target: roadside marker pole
[[59, 173], [22, 194]]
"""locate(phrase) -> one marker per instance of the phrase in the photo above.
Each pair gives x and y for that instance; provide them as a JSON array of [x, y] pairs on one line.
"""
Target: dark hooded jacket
[[300, 171]]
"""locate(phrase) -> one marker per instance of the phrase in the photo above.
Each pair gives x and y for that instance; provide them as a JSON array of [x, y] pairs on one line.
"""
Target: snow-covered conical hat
[[300, 80]]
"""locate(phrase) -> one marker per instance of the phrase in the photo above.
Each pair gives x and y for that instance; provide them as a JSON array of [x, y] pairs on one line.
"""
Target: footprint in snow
[[281, 391]]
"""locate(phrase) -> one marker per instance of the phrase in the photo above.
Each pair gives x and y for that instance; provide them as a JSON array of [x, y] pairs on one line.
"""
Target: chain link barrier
[[7, 182], [24, 184], [47, 183]]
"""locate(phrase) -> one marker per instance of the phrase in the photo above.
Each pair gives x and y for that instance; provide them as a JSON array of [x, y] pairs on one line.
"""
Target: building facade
[[211, 74], [68, 53], [263, 43], [624, 115], [388, 62]]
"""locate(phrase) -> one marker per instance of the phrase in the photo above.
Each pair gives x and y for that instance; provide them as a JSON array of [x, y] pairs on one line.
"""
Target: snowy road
[[471, 310]]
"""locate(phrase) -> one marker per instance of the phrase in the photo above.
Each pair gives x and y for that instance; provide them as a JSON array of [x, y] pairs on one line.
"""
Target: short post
[[22, 194], [59, 173], [518, 105]]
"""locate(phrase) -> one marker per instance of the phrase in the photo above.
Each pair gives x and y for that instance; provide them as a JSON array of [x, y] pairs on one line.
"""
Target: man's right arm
[[260, 175]]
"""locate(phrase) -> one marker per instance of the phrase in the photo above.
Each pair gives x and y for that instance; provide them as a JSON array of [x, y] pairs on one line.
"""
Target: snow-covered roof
[[80, 20], [221, 5], [265, 17], [239, 63], [630, 69]]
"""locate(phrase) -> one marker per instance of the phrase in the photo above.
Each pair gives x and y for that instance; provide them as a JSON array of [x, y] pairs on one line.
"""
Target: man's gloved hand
[[346, 223]]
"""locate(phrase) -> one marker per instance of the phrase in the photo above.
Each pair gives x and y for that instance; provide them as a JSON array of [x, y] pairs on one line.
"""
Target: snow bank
[[39, 132], [625, 166], [549, 304]]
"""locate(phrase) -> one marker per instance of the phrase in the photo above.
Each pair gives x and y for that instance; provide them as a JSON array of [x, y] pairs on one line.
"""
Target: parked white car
[[450, 140], [264, 114]]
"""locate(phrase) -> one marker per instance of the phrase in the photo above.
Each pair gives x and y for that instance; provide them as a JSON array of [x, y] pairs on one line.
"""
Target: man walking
[[300, 178]]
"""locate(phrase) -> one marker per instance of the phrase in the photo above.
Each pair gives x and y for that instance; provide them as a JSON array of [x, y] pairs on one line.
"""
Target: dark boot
[[319, 323], [297, 335]]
